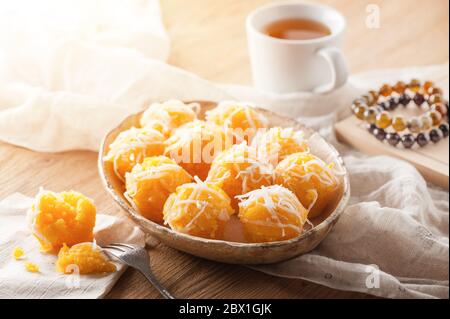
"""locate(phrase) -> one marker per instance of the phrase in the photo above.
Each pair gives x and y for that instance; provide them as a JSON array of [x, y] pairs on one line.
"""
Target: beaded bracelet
[[374, 107], [408, 140]]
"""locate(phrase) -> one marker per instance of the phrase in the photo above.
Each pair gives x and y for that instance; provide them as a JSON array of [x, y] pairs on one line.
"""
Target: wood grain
[[412, 32]]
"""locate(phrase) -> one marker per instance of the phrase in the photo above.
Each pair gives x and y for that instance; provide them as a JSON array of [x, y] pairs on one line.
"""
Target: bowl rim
[[145, 223]]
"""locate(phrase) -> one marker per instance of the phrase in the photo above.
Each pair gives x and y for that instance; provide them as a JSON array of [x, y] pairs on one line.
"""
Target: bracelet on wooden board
[[375, 109]]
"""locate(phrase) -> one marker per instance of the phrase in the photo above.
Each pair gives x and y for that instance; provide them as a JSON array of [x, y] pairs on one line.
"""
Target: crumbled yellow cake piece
[[18, 253], [239, 170], [149, 184], [195, 145], [271, 214], [87, 257], [62, 218], [131, 147], [31, 267], [277, 143], [243, 119], [310, 179], [198, 209]]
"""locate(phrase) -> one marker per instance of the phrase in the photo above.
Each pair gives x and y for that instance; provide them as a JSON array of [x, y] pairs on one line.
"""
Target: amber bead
[[414, 125], [436, 117], [360, 111], [435, 98], [414, 85], [441, 108], [359, 102], [386, 90], [384, 119], [371, 115], [428, 86], [436, 90], [399, 123], [369, 99], [400, 87], [374, 96], [426, 122], [365, 98]]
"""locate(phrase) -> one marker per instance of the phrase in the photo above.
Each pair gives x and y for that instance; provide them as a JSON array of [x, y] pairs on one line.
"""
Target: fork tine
[[114, 248], [110, 252], [124, 245], [134, 257]]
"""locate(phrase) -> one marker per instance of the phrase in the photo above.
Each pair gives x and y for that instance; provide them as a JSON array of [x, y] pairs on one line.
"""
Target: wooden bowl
[[228, 251]]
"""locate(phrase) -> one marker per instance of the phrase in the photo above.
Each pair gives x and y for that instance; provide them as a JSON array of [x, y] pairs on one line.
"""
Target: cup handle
[[338, 67]]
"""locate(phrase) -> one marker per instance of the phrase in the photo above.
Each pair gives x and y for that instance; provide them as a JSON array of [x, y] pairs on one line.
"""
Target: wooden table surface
[[208, 38]]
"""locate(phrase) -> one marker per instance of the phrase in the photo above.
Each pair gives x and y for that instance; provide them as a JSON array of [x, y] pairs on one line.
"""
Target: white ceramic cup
[[285, 66]]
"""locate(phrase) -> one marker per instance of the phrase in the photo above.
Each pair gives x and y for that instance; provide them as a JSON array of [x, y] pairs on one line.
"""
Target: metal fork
[[138, 258]]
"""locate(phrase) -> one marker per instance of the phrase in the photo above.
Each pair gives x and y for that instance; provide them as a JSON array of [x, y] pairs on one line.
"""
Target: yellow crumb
[[18, 253], [31, 267]]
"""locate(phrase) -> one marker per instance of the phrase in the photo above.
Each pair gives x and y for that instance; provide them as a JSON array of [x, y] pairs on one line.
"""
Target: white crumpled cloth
[[16, 282], [392, 240]]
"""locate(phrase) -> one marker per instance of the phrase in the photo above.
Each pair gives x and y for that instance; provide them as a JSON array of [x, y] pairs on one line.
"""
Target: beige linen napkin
[[16, 282], [66, 95]]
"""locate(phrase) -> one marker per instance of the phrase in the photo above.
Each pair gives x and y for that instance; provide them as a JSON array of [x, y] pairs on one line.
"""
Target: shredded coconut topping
[[243, 161], [274, 198], [136, 139], [169, 114], [304, 170], [278, 142], [228, 112], [208, 202]]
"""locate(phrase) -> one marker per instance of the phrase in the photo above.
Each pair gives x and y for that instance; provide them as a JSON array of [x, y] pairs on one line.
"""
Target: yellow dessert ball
[[150, 183], [61, 218], [241, 118], [199, 209], [277, 143], [195, 145], [168, 115], [238, 170], [132, 146], [83, 258], [271, 213], [310, 178]]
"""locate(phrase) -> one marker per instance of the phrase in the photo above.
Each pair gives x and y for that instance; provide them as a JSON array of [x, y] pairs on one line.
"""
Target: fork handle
[[152, 279]]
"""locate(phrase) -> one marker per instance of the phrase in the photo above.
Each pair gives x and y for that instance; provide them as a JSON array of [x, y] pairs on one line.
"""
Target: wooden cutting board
[[431, 161]]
